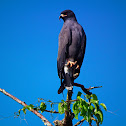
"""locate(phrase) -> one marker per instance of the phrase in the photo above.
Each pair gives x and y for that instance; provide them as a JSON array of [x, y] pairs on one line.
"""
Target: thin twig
[[57, 102], [111, 112], [79, 122], [92, 118], [46, 122], [6, 117], [51, 111], [86, 90], [90, 88], [72, 100]]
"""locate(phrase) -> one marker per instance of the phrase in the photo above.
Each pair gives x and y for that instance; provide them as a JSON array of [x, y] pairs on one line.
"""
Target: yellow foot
[[71, 64]]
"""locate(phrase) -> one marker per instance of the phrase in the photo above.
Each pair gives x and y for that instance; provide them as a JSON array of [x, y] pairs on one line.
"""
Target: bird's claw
[[71, 64], [77, 67]]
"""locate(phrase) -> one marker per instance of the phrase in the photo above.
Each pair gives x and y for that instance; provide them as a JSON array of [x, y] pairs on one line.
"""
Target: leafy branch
[[46, 122], [87, 106]]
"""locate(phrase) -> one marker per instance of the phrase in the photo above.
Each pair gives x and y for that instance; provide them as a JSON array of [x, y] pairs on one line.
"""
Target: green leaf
[[79, 98], [76, 116], [79, 93], [42, 106], [24, 110], [99, 116], [88, 96], [31, 105], [76, 109], [60, 108], [85, 117], [83, 111], [94, 97], [75, 106], [28, 107], [62, 101], [85, 108], [84, 103], [89, 115], [91, 107], [94, 101], [104, 106], [19, 111]]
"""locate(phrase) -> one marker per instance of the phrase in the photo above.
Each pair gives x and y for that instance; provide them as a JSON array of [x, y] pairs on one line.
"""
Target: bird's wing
[[82, 49], [65, 39]]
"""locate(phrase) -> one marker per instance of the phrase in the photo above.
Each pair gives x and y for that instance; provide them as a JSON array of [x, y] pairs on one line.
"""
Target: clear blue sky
[[28, 55]]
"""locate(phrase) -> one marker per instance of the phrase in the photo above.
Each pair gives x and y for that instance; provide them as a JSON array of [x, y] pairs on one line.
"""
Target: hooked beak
[[62, 16]]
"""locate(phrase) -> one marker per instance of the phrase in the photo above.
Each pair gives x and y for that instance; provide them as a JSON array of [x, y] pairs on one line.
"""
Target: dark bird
[[72, 43]]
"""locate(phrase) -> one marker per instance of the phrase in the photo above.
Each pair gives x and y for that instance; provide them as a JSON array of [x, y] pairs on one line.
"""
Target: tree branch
[[90, 88], [86, 90], [79, 122], [46, 122], [67, 121], [52, 111], [92, 118], [83, 88], [68, 116]]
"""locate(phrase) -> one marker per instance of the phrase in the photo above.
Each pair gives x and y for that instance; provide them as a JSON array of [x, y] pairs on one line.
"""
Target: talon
[[71, 64], [77, 67], [75, 75]]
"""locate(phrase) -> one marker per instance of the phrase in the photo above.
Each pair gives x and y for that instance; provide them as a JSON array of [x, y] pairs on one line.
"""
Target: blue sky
[[28, 55]]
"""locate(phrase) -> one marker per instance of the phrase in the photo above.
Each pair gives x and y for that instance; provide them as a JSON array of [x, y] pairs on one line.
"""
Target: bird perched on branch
[[72, 43]]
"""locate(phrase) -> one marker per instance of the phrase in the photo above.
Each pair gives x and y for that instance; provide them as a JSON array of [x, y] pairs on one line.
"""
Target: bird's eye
[[65, 13]]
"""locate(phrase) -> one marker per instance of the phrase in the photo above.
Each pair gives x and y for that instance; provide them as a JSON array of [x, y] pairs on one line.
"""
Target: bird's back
[[77, 38]]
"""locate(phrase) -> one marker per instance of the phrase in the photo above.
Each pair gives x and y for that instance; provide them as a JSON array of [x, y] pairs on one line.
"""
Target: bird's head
[[67, 14]]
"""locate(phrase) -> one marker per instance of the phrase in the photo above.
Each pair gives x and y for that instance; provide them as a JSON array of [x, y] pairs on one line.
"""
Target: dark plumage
[[72, 43]]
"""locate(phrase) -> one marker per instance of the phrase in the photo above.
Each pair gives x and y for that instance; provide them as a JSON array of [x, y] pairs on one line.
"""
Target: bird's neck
[[71, 18]]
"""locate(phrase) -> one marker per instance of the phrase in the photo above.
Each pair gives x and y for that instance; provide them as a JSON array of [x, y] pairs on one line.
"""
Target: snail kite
[[72, 43]]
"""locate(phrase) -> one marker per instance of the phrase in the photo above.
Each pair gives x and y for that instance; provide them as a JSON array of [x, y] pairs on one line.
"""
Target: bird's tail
[[68, 81]]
